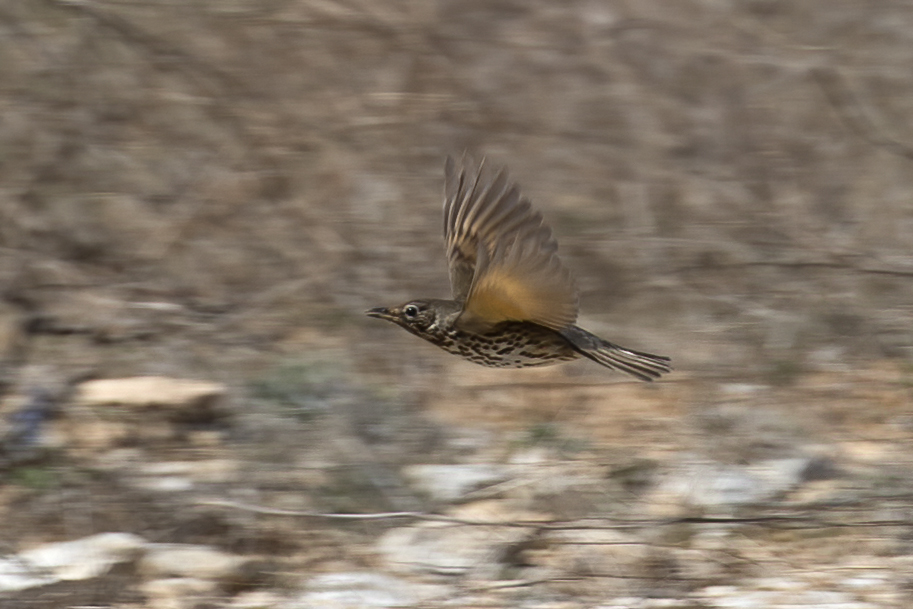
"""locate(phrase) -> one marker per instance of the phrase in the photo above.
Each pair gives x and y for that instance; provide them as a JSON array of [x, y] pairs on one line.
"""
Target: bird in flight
[[514, 304]]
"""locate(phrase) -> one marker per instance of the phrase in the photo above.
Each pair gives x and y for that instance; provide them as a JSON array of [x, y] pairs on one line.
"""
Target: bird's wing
[[503, 259]]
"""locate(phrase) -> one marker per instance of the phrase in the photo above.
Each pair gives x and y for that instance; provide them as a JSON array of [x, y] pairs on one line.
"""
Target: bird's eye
[[410, 311]]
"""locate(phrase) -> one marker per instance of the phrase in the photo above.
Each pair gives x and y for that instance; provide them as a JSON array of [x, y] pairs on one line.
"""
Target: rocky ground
[[554, 489], [198, 201]]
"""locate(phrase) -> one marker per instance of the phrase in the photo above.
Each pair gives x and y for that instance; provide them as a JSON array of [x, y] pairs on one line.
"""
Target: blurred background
[[216, 191]]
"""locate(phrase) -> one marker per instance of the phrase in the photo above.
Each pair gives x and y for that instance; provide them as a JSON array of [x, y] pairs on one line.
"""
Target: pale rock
[[177, 592], [164, 484], [431, 548], [450, 482], [741, 389], [150, 391], [256, 599], [469, 440], [639, 602], [206, 470], [84, 558], [626, 602], [16, 575], [715, 485], [189, 561], [497, 511], [356, 590], [206, 438], [178, 476], [68, 560], [793, 597], [866, 451], [535, 456], [448, 548]]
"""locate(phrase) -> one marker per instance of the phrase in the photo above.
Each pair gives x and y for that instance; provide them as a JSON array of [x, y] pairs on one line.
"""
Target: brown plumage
[[514, 305]]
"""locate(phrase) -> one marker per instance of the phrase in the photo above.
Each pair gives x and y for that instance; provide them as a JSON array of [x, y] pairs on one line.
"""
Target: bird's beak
[[379, 312]]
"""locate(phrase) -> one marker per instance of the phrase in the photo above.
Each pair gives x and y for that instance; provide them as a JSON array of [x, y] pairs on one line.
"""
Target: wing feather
[[503, 257]]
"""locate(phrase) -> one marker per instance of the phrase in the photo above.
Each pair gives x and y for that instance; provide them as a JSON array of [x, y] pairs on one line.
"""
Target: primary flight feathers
[[503, 259]]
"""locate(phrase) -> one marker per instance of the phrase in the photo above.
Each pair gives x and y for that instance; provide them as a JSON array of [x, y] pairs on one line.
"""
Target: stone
[[735, 597], [204, 470], [150, 391], [356, 590], [453, 549], [179, 476], [154, 410], [164, 484], [68, 560], [177, 592], [450, 482], [714, 485], [256, 599], [189, 561]]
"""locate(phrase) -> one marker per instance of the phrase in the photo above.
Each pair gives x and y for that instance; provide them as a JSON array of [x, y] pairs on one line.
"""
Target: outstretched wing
[[503, 259]]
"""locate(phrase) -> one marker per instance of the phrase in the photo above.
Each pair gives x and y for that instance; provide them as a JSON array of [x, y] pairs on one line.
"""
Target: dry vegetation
[[218, 189]]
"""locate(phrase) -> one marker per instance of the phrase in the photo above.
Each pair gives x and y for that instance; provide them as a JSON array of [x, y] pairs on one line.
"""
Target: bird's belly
[[513, 345]]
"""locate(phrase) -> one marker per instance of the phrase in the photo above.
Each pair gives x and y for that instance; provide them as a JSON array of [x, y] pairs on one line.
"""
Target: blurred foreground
[[216, 191]]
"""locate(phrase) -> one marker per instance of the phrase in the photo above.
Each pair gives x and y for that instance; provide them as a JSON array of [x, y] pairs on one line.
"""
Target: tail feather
[[644, 366]]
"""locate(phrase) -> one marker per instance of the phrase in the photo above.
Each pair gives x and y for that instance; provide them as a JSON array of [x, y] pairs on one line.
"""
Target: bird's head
[[416, 316]]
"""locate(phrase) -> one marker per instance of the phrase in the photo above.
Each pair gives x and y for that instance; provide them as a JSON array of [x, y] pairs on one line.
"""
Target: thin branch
[[369, 516], [793, 521]]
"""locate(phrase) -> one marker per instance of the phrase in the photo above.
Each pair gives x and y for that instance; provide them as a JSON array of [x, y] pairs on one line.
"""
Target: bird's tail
[[644, 366]]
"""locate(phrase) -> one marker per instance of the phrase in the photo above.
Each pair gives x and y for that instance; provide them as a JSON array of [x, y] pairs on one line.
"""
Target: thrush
[[514, 304]]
